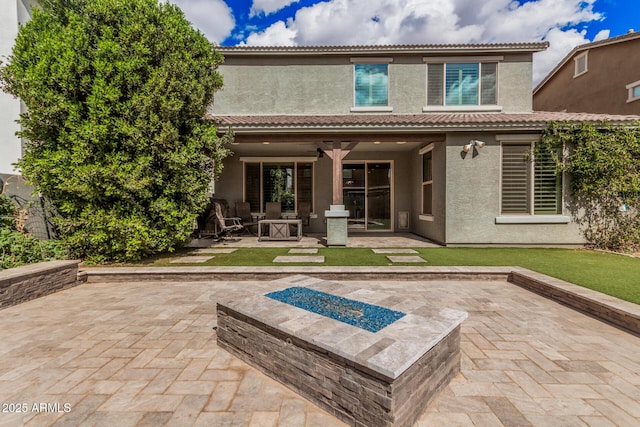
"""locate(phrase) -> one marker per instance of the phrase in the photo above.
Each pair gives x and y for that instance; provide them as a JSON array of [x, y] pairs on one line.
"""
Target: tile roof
[[416, 122], [382, 49]]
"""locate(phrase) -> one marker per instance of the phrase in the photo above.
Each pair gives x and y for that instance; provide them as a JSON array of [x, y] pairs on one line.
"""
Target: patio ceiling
[[300, 145]]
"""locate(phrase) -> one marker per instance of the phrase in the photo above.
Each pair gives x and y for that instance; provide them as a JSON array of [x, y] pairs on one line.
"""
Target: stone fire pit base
[[386, 378]]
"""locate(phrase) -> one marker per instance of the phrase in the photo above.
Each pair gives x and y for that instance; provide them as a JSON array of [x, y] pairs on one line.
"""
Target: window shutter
[[515, 179], [488, 84], [435, 84], [547, 198]]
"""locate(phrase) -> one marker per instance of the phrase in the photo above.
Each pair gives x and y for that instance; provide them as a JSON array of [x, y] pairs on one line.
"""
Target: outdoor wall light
[[475, 144]]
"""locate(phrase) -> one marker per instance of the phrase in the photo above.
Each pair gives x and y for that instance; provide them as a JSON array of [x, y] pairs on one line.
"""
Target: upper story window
[[371, 84], [634, 91], [462, 84], [581, 64]]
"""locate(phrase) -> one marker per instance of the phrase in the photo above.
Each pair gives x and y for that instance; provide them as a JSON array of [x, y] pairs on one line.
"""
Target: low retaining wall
[[32, 281], [613, 310]]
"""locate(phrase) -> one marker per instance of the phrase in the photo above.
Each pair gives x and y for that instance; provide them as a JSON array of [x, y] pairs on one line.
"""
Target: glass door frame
[[366, 196]]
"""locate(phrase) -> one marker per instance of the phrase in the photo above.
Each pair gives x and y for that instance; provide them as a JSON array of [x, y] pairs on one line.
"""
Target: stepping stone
[[394, 251], [406, 259], [212, 251], [303, 251], [191, 259], [318, 259]]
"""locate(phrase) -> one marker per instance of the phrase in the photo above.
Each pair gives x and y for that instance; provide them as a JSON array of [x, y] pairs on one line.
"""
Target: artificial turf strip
[[611, 274]]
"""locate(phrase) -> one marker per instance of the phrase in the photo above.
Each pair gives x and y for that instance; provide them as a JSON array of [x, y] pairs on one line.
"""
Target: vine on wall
[[602, 163]]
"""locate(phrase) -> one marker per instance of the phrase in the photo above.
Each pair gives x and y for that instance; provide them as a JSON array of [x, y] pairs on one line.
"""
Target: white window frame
[[530, 217], [577, 71], [295, 161], [425, 216], [630, 87], [444, 60], [372, 109]]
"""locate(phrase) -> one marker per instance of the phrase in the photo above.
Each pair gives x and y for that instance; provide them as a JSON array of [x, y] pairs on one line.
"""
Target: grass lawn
[[611, 274]]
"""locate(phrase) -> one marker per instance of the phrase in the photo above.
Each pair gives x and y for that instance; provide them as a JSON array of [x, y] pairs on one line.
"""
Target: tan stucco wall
[[473, 201], [324, 85], [602, 89]]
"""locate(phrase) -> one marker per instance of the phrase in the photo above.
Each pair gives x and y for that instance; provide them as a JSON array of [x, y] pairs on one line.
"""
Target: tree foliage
[[603, 164], [116, 92]]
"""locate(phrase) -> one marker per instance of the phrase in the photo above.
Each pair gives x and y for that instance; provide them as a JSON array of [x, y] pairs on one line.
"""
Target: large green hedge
[[116, 92]]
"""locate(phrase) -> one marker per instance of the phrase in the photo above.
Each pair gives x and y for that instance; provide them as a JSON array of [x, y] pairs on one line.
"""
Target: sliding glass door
[[367, 195]]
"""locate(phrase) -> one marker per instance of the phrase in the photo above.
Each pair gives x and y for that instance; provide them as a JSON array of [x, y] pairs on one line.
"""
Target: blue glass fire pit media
[[369, 317]]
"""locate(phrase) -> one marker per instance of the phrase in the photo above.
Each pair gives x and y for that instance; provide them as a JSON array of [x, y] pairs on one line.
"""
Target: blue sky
[[564, 23]]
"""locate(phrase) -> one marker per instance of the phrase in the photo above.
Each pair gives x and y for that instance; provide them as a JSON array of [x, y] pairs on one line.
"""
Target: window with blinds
[[463, 83], [371, 85], [581, 64], [516, 179], [529, 187], [547, 191]]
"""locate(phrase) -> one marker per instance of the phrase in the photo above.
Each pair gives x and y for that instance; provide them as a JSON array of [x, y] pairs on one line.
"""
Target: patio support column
[[337, 153], [337, 216]]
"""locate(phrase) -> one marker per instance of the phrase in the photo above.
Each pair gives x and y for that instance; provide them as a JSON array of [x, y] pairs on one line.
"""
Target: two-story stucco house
[[598, 77], [429, 139]]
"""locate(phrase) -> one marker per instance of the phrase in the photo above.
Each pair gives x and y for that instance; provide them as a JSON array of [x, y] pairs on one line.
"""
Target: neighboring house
[[429, 139], [13, 14], [599, 77]]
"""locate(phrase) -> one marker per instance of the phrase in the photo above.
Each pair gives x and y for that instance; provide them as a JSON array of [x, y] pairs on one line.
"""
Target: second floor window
[[371, 85], [462, 83]]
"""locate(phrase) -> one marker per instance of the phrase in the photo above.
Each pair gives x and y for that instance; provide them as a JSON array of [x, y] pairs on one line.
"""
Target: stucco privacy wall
[[324, 85], [473, 201]]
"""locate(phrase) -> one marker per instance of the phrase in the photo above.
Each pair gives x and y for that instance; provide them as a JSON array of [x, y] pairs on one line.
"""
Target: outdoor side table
[[279, 229]]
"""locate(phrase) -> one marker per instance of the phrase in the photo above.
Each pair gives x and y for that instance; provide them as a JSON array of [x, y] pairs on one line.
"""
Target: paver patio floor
[[145, 354]]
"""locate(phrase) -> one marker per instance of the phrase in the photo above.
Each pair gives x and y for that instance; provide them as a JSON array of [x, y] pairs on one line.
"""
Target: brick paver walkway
[[145, 354]]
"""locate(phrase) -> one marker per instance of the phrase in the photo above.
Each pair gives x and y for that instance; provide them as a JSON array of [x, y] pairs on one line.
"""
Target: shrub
[[116, 92]]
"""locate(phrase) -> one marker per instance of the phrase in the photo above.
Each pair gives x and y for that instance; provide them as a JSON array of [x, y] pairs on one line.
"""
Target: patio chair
[[226, 225], [273, 210], [243, 211], [304, 212]]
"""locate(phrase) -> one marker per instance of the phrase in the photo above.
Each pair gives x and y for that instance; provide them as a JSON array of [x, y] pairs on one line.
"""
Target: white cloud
[[340, 22], [269, 6], [212, 17]]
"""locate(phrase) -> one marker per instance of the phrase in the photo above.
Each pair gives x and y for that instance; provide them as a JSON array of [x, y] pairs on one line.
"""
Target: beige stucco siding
[[324, 85], [515, 78], [473, 201], [277, 86]]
